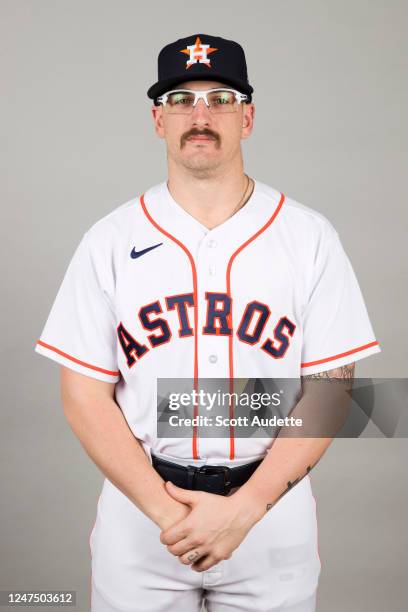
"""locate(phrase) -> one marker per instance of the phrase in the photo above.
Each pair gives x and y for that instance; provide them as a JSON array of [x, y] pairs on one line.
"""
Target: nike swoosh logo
[[135, 254]]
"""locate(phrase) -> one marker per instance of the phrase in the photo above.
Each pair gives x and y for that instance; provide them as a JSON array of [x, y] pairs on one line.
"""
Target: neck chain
[[243, 200]]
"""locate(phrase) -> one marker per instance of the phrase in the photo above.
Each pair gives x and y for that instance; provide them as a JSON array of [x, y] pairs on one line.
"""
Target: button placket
[[213, 350]]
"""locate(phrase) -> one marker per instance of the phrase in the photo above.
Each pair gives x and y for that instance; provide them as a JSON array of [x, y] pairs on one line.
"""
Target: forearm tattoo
[[290, 485], [343, 374]]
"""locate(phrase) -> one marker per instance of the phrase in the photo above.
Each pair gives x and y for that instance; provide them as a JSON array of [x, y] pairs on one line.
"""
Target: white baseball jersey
[[151, 292]]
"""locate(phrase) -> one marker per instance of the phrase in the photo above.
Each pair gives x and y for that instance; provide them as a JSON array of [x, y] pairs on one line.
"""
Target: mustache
[[196, 132]]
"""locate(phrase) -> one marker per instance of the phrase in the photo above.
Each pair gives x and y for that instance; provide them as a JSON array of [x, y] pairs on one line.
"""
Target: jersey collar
[[233, 232]]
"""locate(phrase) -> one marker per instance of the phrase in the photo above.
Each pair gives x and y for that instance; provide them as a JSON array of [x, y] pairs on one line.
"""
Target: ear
[[157, 114], [248, 115]]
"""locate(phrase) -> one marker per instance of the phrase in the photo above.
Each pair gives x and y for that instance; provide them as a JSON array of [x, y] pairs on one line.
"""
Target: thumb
[[182, 495]]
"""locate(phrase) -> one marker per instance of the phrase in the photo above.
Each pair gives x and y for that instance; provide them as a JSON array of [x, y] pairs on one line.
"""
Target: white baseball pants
[[275, 569]]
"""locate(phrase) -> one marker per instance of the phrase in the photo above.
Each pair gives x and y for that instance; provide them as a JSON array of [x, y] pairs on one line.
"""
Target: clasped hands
[[213, 529]]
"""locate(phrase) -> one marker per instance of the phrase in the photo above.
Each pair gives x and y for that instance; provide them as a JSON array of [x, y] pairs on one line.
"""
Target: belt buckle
[[218, 469]]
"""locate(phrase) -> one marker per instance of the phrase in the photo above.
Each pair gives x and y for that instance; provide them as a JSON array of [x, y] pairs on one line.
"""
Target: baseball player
[[209, 274]]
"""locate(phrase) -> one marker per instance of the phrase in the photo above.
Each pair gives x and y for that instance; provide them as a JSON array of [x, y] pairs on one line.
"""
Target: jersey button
[[212, 244], [213, 359], [212, 270]]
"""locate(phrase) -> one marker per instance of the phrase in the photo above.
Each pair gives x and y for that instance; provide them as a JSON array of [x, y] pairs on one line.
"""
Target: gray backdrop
[[330, 131]]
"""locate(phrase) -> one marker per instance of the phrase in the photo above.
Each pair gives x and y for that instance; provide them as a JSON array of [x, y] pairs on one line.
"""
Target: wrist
[[247, 505], [169, 513]]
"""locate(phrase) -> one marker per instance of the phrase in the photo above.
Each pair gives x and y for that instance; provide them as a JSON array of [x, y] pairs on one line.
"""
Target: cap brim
[[161, 87]]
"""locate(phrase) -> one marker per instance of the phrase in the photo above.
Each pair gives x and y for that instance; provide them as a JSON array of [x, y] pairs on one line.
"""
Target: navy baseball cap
[[201, 57]]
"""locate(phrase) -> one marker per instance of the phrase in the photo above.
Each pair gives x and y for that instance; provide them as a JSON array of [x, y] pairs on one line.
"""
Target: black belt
[[218, 479]]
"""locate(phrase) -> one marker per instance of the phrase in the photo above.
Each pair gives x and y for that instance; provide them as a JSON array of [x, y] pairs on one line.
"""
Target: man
[[210, 274]]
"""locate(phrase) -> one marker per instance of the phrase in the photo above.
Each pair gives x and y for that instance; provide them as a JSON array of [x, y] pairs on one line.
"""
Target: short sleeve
[[80, 331], [336, 326]]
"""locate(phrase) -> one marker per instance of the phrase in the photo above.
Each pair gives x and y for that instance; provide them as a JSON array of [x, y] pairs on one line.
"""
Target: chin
[[199, 160], [200, 165]]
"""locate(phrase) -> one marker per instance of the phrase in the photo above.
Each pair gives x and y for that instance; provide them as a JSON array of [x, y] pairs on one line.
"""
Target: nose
[[201, 114]]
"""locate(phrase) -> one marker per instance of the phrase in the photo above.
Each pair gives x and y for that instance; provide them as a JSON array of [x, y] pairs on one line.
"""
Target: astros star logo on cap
[[198, 53]]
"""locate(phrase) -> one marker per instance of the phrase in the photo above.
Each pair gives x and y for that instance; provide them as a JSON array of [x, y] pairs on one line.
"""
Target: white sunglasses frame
[[201, 94]]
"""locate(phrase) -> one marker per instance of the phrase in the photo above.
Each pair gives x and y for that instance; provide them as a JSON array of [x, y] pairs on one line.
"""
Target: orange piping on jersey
[[195, 293], [356, 350], [82, 363], [231, 337]]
